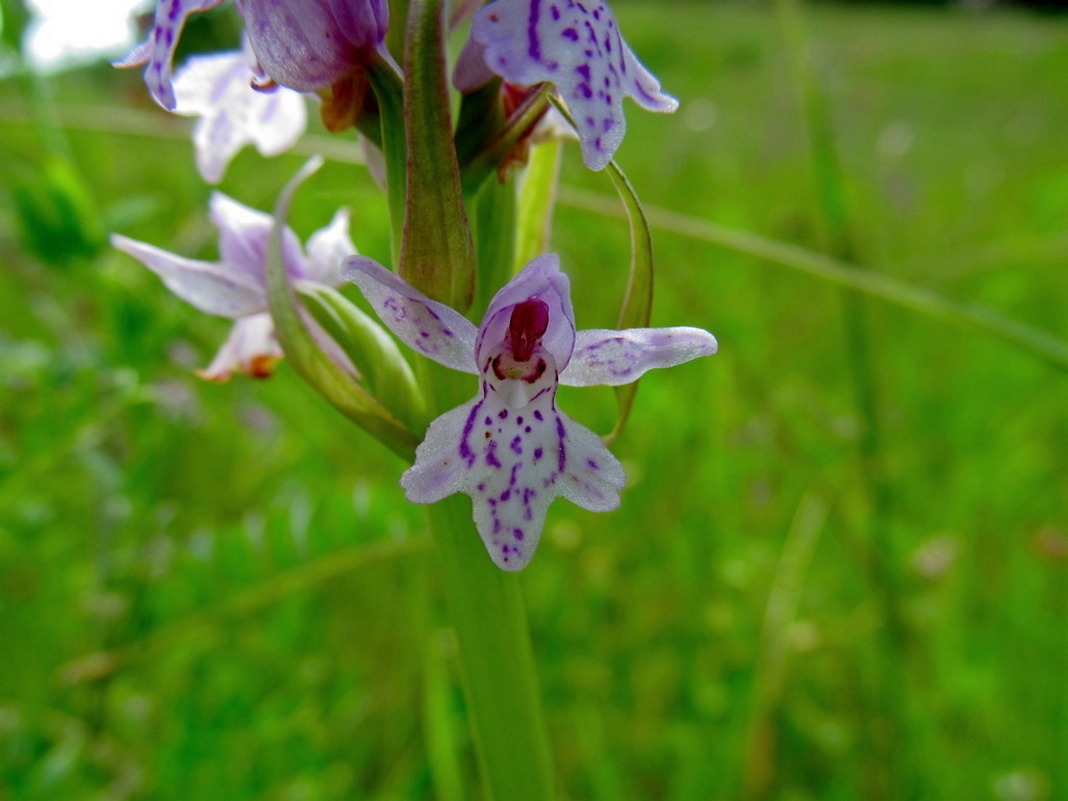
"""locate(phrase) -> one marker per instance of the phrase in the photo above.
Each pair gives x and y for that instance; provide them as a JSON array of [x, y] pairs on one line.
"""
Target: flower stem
[[487, 612]]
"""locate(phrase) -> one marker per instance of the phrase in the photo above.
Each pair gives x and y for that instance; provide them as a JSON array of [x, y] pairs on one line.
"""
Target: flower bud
[[309, 45]]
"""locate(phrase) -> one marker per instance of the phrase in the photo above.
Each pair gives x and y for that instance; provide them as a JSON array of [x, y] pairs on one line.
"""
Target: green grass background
[[218, 591]]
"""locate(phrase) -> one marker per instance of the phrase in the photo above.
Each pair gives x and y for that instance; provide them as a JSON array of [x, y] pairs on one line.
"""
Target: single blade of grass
[[1035, 342]]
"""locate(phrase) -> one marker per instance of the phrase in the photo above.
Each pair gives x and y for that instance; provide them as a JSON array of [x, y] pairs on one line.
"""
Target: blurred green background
[[840, 570]]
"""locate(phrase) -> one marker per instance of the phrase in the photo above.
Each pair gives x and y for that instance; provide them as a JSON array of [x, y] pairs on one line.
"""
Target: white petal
[[612, 358], [210, 286], [328, 248], [218, 88], [431, 328], [513, 463], [251, 349]]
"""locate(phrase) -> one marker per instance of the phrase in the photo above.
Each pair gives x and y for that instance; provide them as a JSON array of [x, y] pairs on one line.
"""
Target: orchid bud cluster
[[510, 448]]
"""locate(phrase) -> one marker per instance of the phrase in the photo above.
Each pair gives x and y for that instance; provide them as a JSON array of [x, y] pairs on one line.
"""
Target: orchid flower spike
[[307, 45], [510, 448], [236, 285], [577, 47], [218, 89]]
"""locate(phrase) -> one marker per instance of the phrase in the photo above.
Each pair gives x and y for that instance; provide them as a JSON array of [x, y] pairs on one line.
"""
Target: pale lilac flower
[[236, 285], [218, 88], [577, 47], [306, 45], [510, 448]]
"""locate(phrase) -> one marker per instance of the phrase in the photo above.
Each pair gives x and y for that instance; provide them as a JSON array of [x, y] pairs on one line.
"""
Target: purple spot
[[517, 446], [518, 534], [506, 495], [537, 453], [570, 33], [533, 44], [481, 487], [519, 420], [527, 429], [537, 415], [503, 414], [491, 454], [515, 471], [488, 421], [465, 450], [561, 457], [592, 464], [584, 71]]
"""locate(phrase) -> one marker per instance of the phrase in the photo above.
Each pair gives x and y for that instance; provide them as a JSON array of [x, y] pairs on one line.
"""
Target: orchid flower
[[307, 45], [236, 285], [218, 88], [510, 448], [577, 47]]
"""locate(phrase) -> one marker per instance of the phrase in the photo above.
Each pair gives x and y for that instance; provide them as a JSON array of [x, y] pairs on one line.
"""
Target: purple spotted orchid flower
[[307, 45], [510, 448], [236, 285], [577, 47], [217, 88]]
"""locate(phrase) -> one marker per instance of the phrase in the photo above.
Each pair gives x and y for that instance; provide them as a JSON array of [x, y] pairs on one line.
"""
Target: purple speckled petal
[[612, 358], [212, 287], [157, 52], [541, 279], [513, 463], [431, 328], [218, 89], [578, 48]]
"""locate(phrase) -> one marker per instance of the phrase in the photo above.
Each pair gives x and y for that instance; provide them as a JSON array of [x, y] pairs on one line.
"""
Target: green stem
[[387, 86], [487, 612]]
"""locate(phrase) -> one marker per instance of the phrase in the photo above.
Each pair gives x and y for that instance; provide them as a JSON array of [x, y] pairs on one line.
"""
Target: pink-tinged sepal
[[513, 462], [577, 47], [612, 358], [437, 331], [157, 52], [251, 348]]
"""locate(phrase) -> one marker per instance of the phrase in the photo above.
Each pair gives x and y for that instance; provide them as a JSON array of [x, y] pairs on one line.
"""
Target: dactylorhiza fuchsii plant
[[509, 447]]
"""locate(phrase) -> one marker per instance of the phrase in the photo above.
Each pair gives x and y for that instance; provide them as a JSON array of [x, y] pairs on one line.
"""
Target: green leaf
[[57, 214], [437, 254], [637, 306], [314, 366], [389, 92], [494, 230], [384, 370], [537, 199], [488, 159]]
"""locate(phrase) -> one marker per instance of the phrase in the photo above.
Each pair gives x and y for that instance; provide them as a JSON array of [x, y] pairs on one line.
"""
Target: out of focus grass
[[218, 591]]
